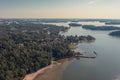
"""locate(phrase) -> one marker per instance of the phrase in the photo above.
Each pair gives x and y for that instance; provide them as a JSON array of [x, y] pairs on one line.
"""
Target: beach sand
[[39, 72], [51, 72]]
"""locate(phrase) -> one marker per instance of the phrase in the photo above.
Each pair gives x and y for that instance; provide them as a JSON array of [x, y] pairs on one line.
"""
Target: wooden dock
[[81, 55]]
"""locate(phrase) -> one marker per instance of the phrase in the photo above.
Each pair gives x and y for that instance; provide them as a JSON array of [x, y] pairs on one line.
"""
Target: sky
[[106, 9]]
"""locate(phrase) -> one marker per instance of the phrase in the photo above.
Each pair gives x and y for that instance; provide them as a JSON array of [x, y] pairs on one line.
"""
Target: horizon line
[[59, 18]]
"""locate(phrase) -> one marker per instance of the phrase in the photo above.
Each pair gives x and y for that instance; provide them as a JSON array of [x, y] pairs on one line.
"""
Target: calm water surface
[[107, 64]]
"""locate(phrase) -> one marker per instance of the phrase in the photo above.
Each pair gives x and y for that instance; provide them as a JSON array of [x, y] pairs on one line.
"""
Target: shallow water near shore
[[106, 66], [55, 73]]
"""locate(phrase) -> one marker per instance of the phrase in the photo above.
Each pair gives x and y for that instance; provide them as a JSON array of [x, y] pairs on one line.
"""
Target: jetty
[[81, 55]]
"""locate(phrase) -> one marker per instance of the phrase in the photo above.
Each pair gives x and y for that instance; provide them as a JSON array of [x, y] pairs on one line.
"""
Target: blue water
[[107, 64]]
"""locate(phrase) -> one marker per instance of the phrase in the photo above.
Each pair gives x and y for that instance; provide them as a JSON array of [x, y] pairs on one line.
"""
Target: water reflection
[[105, 67]]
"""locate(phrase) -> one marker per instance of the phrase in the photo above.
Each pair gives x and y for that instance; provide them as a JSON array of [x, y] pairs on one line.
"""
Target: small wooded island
[[115, 33], [113, 22], [74, 24], [26, 47], [104, 28]]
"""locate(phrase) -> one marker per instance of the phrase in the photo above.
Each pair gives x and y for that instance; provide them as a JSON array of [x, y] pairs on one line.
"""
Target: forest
[[26, 47]]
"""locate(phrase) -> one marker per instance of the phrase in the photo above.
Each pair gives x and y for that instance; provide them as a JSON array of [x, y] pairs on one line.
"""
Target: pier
[[81, 55]]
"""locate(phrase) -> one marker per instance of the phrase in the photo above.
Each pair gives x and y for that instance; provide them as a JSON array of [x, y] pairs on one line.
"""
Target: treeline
[[74, 24], [104, 28], [76, 39], [115, 33]]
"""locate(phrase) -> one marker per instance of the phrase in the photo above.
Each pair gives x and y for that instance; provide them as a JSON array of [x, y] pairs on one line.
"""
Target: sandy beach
[[51, 72], [39, 72]]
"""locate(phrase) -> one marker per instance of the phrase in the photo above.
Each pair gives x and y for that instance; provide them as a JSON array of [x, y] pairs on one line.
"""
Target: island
[[115, 33], [87, 38], [104, 28], [74, 24], [113, 23]]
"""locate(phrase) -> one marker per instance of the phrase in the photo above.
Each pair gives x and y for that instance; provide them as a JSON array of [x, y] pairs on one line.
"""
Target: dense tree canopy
[[26, 47]]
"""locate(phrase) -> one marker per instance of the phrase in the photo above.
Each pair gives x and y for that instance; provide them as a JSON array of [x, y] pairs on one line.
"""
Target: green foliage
[[27, 48]]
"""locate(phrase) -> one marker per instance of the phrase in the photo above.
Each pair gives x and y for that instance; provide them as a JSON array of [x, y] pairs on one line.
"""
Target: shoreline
[[50, 72], [32, 76]]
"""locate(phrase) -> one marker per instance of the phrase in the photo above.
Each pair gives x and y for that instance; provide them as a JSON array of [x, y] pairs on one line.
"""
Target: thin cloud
[[92, 2]]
